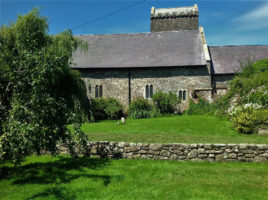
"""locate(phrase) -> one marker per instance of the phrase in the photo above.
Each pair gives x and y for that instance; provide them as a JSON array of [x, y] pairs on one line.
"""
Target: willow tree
[[40, 94]]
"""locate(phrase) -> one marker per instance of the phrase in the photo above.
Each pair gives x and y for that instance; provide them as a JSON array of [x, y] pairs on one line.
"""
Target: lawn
[[175, 129], [82, 178]]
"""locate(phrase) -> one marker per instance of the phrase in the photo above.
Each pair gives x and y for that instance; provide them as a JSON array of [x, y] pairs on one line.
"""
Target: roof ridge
[[175, 7], [174, 12], [244, 45], [140, 33]]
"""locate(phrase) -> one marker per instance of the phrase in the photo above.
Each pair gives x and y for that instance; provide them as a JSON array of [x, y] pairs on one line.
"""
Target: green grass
[[66, 178], [175, 129]]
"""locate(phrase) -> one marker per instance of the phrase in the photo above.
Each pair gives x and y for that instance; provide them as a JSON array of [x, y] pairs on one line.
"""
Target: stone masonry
[[117, 82], [169, 24], [180, 152], [174, 19]]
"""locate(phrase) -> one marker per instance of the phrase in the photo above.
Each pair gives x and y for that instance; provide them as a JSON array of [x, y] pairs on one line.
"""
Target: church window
[[97, 91], [89, 89], [182, 95], [149, 91], [100, 92]]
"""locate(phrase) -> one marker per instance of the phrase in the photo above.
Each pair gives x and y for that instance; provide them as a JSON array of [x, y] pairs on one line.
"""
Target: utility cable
[[108, 15]]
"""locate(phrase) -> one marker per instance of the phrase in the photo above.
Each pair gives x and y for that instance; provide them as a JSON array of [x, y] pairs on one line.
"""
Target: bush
[[221, 105], [247, 120], [252, 84], [98, 109], [167, 103], [251, 68], [141, 108], [200, 108], [109, 108], [114, 109]]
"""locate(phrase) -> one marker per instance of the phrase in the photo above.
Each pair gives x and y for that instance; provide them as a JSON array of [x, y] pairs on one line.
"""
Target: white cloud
[[256, 19]]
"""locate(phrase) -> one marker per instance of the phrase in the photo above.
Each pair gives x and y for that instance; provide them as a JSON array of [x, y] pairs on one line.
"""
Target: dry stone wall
[[180, 152]]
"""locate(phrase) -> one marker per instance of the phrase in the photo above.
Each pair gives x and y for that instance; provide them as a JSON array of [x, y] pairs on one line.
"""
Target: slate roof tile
[[226, 59], [158, 49]]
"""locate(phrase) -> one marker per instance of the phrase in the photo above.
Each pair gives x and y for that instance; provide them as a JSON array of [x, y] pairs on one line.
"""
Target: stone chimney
[[174, 19]]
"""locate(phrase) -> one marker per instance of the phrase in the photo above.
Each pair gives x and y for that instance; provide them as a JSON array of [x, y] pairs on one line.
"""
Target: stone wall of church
[[115, 82], [220, 83], [175, 24], [170, 79], [221, 80]]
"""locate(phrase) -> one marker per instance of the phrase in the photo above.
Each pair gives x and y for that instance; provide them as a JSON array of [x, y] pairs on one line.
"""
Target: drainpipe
[[129, 88]]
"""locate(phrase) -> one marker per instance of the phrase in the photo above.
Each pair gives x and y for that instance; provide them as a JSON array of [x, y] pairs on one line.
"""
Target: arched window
[[184, 95], [97, 91], [89, 89], [147, 91], [100, 92], [180, 94], [151, 91]]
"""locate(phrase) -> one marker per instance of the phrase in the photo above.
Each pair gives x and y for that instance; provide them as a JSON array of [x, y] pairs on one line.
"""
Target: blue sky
[[225, 22]]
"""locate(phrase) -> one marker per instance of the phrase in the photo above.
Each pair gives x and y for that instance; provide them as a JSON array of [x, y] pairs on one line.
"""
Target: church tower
[[174, 19]]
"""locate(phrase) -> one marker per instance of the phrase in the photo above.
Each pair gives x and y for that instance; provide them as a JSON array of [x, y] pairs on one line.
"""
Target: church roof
[[226, 59], [158, 49], [174, 12]]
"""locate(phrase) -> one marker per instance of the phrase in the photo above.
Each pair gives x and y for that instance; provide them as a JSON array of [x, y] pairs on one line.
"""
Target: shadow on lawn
[[57, 172], [56, 192]]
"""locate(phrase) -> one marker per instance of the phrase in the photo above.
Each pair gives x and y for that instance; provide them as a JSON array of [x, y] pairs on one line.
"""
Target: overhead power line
[[108, 15]]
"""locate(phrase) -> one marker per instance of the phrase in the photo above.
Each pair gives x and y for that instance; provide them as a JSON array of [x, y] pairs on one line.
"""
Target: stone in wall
[[170, 79], [115, 82], [220, 81], [174, 24], [180, 152]]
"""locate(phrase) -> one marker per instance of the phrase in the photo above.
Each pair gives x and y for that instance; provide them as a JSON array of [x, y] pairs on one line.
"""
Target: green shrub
[[98, 109], [250, 68], [113, 109], [166, 103], [247, 120], [200, 108], [252, 83], [141, 108], [258, 95], [109, 108]]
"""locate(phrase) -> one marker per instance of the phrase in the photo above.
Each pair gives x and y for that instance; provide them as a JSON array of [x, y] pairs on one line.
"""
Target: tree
[[40, 94]]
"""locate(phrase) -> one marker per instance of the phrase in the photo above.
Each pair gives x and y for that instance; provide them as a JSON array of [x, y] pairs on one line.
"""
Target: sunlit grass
[[66, 178], [179, 129]]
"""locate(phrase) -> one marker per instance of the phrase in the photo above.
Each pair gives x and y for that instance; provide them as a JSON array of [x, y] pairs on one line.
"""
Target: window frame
[[149, 91], [182, 94], [97, 91], [100, 91]]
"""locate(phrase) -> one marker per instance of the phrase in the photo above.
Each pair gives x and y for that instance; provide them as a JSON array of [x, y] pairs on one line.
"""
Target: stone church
[[174, 56]]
